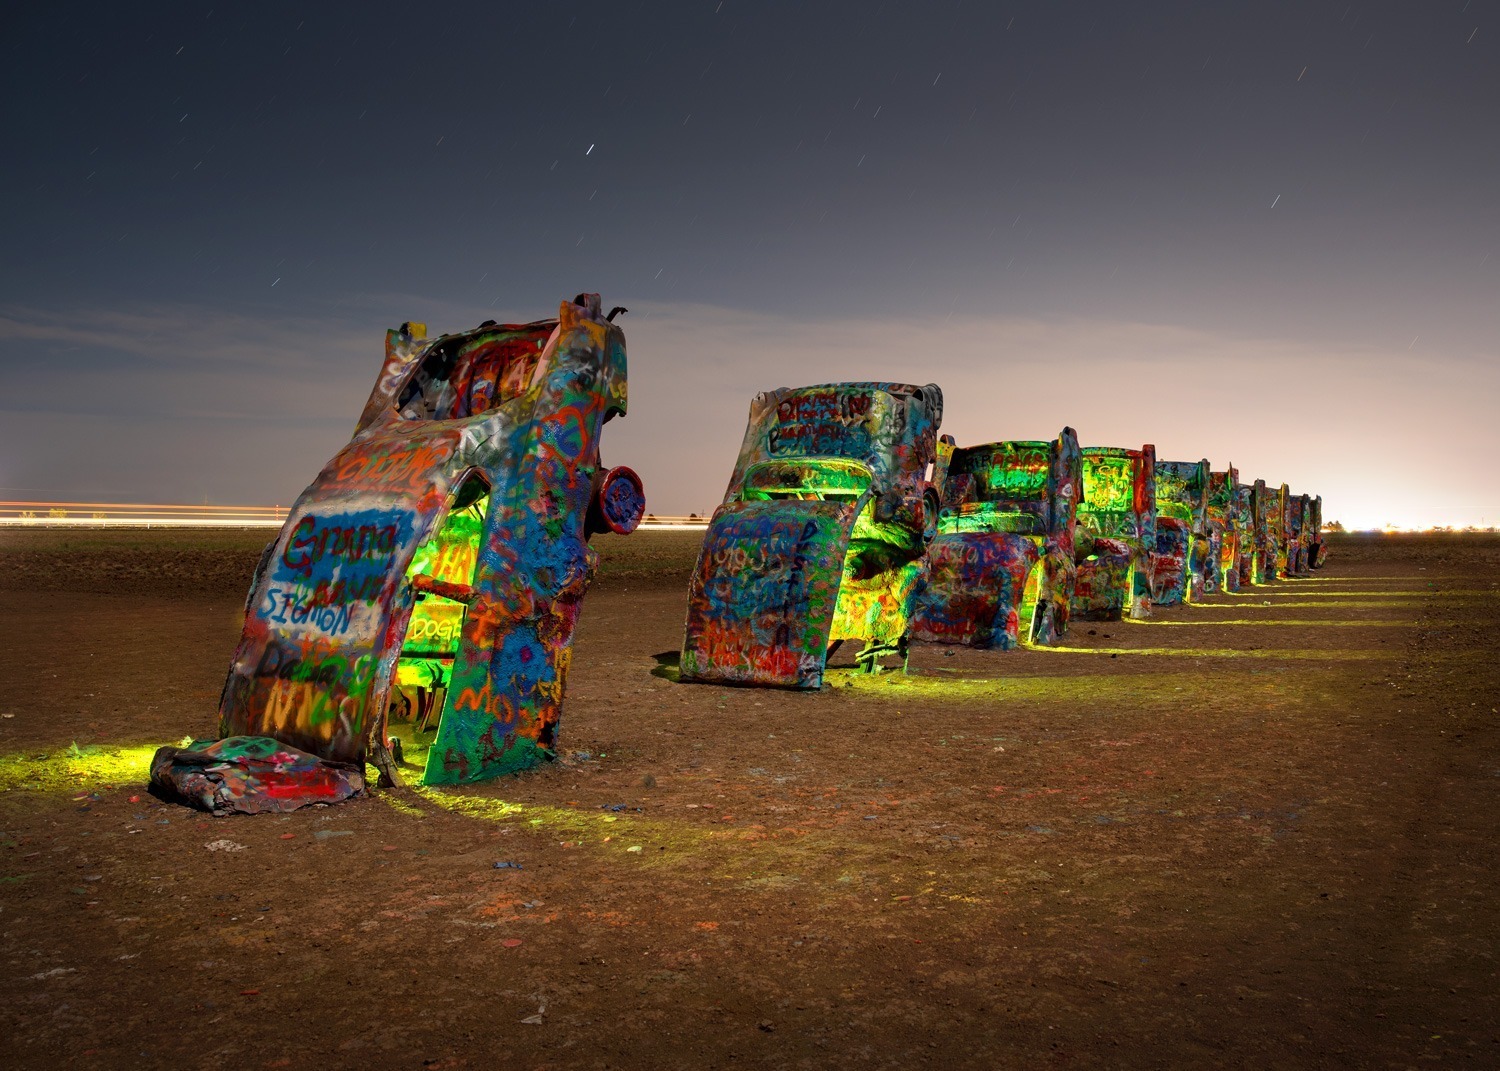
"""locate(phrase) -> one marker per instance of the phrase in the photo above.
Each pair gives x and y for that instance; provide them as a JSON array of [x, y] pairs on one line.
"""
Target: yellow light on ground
[[74, 768], [1268, 621], [1300, 654]]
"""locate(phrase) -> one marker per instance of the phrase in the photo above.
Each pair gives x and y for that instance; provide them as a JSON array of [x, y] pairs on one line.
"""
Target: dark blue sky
[[1227, 228]]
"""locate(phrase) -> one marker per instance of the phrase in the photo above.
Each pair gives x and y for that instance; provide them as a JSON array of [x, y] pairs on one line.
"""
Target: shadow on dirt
[[667, 666]]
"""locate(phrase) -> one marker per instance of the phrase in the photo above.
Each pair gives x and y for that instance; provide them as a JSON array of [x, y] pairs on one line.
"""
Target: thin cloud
[[241, 408], [189, 334], [1371, 428]]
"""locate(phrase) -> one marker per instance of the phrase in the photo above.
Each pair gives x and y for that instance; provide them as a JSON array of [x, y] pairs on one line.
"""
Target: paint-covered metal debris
[[1116, 533], [443, 553], [821, 535], [1001, 566], [1182, 546], [251, 775]]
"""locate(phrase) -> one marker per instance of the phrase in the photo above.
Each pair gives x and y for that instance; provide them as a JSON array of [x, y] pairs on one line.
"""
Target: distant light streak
[[16, 514], [139, 522]]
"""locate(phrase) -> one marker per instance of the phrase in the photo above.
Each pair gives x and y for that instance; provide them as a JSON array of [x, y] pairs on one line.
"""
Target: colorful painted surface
[[621, 498], [820, 537], [1318, 546], [251, 775], [1280, 525], [1001, 566], [447, 542], [1225, 530], [1267, 511], [1116, 533], [1182, 543], [1298, 528], [764, 592], [1244, 497]]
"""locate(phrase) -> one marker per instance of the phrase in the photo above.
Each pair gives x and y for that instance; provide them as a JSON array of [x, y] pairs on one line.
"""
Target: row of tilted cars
[[849, 519], [436, 567]]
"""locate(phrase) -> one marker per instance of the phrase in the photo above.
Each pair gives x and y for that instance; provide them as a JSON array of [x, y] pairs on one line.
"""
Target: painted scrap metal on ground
[[251, 775]]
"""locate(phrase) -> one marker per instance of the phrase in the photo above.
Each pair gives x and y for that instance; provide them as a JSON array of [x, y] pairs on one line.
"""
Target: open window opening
[[882, 566], [822, 479], [466, 375], [1106, 505], [441, 577]]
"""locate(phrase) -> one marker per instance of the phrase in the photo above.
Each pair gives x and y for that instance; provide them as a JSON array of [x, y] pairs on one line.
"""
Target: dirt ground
[[1260, 832]]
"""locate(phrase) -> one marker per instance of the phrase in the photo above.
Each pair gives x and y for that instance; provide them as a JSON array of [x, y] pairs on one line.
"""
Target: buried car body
[[820, 537], [1226, 530], [1001, 566], [1182, 545], [1116, 533], [445, 547]]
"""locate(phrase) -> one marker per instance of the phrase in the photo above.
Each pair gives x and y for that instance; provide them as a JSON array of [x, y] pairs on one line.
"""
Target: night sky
[[1259, 232]]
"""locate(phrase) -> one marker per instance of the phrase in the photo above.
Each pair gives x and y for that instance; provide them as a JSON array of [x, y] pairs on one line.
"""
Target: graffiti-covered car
[[445, 548], [1001, 567], [1225, 531], [1245, 522], [1278, 503], [1296, 524], [1181, 531], [1317, 552], [1115, 537], [820, 538], [1267, 511]]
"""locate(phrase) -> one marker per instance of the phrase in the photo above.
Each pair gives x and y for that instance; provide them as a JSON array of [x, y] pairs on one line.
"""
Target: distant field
[[218, 561]]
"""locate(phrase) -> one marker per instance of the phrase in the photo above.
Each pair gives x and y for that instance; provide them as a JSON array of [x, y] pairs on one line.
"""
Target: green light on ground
[[584, 826]]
